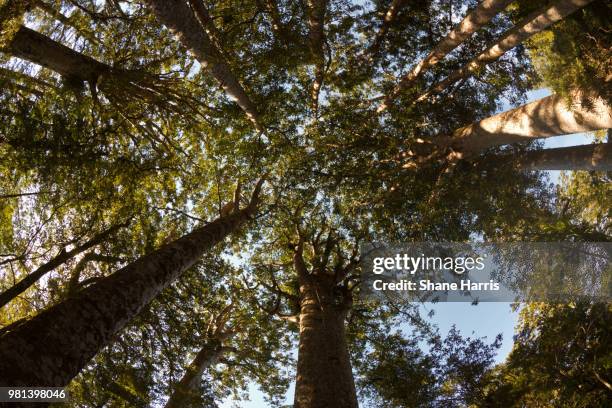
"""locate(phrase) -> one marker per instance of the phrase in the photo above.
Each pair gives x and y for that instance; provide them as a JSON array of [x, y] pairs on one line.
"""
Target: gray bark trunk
[[527, 27], [588, 157], [180, 19], [477, 18], [64, 256], [543, 118], [51, 348], [324, 375], [34, 47]]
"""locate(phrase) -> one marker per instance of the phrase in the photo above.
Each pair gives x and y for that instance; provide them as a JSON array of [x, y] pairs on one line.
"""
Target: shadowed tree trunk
[[527, 27], [64, 256], [477, 18], [324, 374], [180, 19], [51, 348], [543, 118], [34, 47], [588, 157], [202, 14]]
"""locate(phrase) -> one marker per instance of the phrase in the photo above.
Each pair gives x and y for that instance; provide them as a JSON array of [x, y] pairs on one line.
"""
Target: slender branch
[[61, 258]]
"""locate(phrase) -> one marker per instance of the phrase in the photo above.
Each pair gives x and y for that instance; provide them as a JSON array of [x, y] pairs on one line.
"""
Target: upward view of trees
[[185, 185]]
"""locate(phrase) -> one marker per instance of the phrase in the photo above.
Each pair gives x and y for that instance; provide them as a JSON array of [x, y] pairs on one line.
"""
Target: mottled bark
[[543, 118], [316, 43], [63, 257], [31, 46], [477, 18], [588, 157], [186, 390], [324, 374], [527, 27], [181, 20], [51, 348], [388, 20]]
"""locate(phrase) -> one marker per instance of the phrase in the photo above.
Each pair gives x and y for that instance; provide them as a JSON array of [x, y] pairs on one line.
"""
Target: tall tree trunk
[[527, 27], [316, 41], [31, 46], [51, 348], [543, 118], [588, 157], [324, 374], [202, 14], [477, 18], [185, 393], [180, 19], [64, 256]]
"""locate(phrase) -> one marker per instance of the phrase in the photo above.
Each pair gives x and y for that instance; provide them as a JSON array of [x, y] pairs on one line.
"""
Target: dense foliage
[[152, 146]]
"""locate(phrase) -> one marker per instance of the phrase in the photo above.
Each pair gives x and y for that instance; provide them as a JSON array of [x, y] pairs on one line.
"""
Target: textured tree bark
[[588, 157], [185, 391], [324, 375], [477, 18], [51, 348], [202, 14], [64, 256], [527, 27], [180, 19], [543, 118], [34, 47]]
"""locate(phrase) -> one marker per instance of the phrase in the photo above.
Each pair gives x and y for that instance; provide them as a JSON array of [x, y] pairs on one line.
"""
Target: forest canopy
[[185, 186]]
